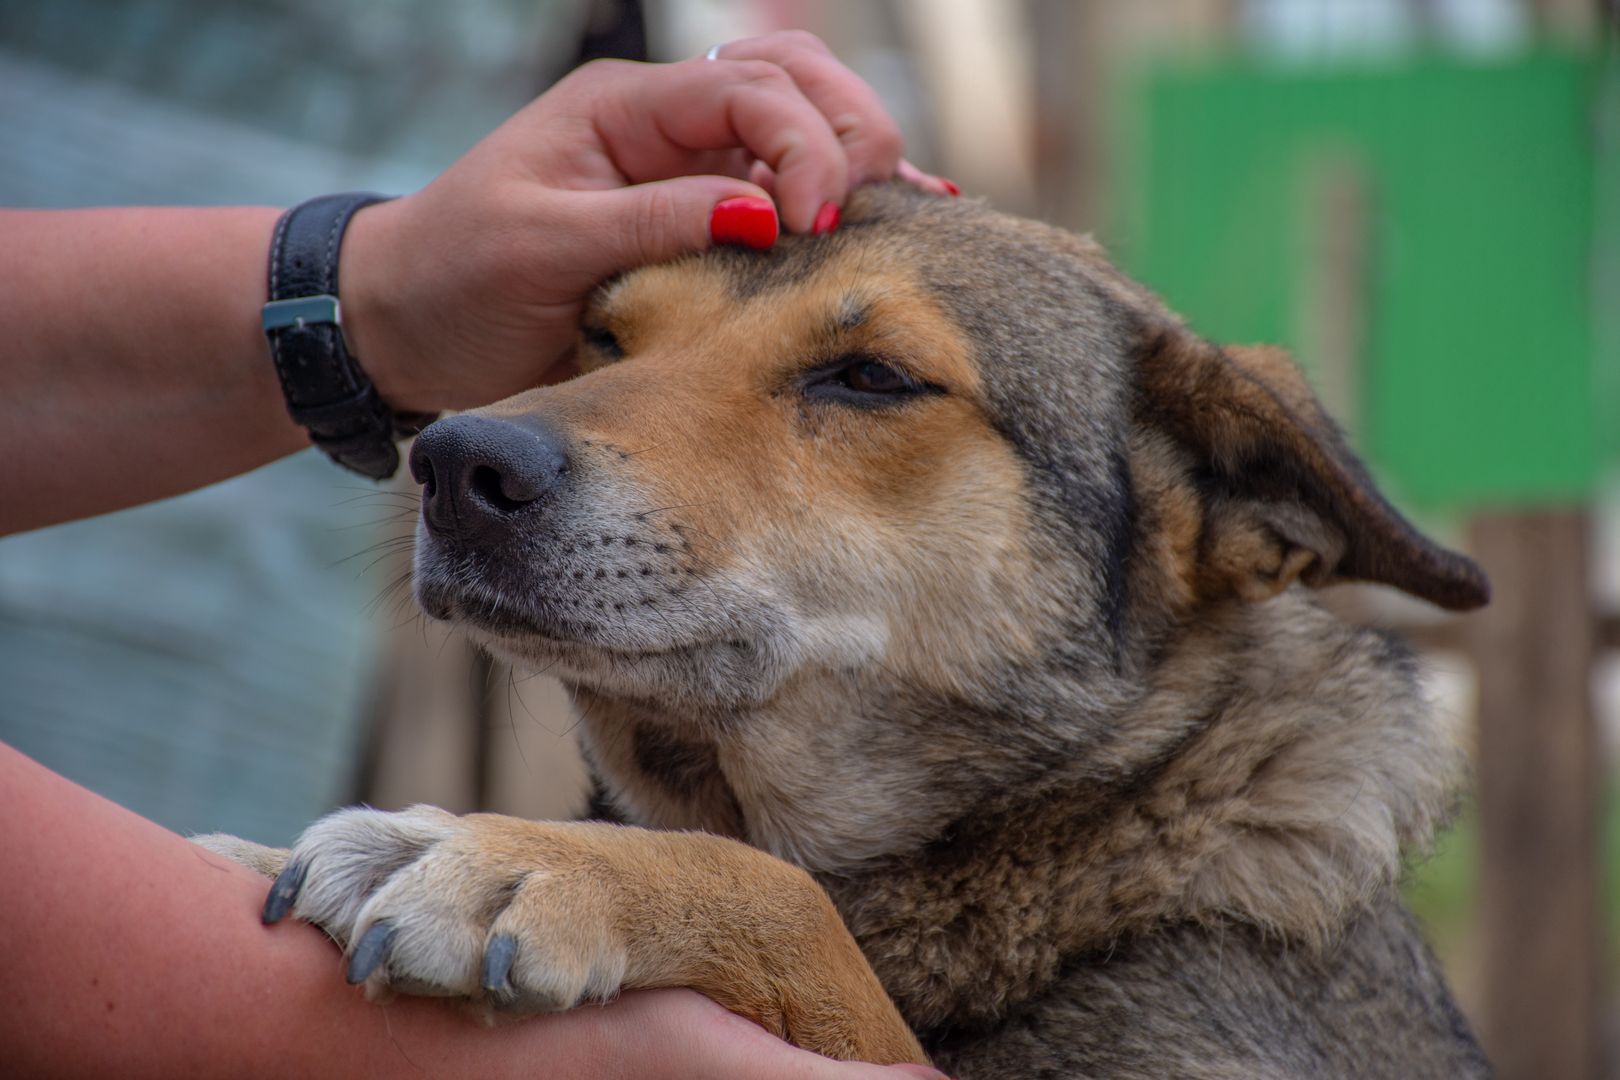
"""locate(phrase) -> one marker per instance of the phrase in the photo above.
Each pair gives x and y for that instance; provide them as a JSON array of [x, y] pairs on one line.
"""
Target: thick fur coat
[[937, 559]]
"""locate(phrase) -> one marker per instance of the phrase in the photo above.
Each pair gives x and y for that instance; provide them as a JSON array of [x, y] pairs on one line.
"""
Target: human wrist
[[373, 312]]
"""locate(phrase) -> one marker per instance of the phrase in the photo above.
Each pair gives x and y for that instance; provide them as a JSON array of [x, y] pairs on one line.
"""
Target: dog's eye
[[871, 377], [602, 340], [862, 380]]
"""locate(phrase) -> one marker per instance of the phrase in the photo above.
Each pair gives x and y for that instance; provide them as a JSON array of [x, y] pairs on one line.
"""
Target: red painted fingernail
[[826, 219], [950, 186], [746, 220]]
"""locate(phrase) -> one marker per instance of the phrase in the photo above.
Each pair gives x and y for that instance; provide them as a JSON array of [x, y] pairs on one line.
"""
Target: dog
[[940, 612]]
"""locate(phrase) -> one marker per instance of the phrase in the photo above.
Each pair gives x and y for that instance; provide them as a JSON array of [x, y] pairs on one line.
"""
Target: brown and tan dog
[[937, 606]]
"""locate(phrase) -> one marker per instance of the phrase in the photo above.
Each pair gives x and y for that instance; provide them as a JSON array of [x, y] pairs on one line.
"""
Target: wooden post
[[1570, 20], [974, 60], [1080, 49], [1538, 797]]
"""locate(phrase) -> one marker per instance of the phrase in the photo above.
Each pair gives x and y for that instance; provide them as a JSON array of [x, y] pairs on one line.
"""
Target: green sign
[[1420, 234]]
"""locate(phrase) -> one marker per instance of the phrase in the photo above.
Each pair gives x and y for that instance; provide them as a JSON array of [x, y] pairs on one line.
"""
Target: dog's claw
[[498, 962], [283, 892], [370, 951]]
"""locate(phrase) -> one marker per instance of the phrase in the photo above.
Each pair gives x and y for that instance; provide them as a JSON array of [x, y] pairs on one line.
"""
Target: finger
[[656, 121], [627, 227], [870, 137], [761, 176], [934, 185]]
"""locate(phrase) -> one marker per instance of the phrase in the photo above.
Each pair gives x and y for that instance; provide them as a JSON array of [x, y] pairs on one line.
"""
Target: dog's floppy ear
[[1283, 497]]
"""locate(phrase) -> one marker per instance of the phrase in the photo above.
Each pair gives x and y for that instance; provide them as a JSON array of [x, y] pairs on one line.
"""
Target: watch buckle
[[301, 311]]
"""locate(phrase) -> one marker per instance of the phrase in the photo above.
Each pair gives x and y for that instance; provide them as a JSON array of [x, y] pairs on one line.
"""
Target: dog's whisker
[[370, 496], [512, 691], [382, 549], [386, 519], [392, 553], [511, 720], [395, 591], [645, 514], [580, 719]]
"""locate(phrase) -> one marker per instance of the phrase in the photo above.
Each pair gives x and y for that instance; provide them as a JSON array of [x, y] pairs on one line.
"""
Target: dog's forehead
[[1040, 312]]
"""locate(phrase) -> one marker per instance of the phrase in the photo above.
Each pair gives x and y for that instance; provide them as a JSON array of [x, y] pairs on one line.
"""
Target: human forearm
[[134, 363], [131, 952]]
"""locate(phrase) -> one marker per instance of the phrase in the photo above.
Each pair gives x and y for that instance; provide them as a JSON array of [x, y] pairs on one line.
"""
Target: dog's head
[[902, 467]]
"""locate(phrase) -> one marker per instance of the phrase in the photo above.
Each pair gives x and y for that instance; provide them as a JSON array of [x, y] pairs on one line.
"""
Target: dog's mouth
[[590, 610], [465, 591], [478, 609], [599, 623], [527, 625]]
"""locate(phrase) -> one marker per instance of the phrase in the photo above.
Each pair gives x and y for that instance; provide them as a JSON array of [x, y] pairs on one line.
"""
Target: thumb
[[651, 222]]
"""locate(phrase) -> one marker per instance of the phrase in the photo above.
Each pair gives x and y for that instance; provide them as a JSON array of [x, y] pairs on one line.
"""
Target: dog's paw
[[266, 860], [509, 913]]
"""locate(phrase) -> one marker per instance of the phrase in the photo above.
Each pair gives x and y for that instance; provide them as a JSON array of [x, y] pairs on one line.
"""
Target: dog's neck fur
[[1263, 778], [1273, 801]]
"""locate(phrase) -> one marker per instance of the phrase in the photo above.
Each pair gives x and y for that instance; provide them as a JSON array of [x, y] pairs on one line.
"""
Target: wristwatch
[[327, 391]]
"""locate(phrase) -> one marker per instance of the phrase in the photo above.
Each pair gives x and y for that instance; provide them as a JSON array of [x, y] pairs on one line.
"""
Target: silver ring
[[714, 51]]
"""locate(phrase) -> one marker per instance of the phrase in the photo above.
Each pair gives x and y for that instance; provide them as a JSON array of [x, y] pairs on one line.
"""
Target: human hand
[[681, 1035], [470, 289]]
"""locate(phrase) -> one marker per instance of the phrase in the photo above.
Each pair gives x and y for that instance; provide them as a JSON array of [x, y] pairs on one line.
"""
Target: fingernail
[[950, 186], [746, 220], [826, 219]]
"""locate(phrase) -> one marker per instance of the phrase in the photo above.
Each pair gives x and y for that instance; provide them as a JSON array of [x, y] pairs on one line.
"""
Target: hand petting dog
[[471, 289]]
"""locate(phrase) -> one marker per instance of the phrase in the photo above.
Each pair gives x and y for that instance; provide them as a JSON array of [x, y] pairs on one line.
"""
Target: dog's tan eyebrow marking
[[851, 315]]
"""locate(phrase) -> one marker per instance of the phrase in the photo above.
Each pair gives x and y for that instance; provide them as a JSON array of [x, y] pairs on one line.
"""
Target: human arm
[[129, 951], [134, 367]]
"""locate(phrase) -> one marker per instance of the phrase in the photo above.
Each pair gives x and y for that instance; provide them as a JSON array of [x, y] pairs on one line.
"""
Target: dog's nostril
[[422, 469], [490, 487]]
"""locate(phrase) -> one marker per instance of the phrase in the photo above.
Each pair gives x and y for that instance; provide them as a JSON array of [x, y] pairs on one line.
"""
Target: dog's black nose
[[478, 472]]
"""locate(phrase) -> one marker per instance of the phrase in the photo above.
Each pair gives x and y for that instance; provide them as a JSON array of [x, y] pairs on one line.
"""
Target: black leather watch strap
[[326, 390]]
